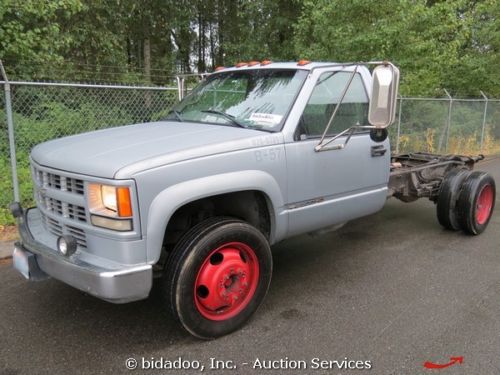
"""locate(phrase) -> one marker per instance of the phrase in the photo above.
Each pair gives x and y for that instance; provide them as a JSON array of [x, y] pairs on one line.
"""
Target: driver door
[[333, 186]]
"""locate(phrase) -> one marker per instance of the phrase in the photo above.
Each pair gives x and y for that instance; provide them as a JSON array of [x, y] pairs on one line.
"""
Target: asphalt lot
[[393, 288]]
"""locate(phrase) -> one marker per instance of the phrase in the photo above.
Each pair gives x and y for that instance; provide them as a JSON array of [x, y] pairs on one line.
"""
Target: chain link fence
[[44, 111], [447, 125]]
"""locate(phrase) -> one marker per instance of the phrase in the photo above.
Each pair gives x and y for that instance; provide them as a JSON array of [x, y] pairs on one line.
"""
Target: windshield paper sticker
[[266, 118]]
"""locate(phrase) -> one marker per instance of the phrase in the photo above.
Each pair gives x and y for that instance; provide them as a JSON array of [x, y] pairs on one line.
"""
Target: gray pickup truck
[[255, 154]]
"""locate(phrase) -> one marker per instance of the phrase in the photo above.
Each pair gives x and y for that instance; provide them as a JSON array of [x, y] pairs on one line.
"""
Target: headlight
[[108, 205], [108, 196]]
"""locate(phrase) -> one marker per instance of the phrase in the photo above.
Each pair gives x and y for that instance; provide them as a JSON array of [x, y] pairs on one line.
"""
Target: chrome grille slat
[[58, 182], [64, 209]]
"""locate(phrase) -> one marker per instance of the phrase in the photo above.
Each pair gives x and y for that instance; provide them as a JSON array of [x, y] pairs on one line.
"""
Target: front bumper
[[117, 285]]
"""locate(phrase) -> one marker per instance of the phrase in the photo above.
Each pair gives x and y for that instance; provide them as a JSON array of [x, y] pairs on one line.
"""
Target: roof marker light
[[252, 63], [265, 62], [303, 62], [219, 68], [241, 64]]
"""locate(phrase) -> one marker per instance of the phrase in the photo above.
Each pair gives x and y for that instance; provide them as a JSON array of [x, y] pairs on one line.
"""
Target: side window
[[324, 99]]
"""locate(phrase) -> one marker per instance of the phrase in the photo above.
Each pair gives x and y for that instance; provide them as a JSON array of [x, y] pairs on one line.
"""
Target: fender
[[172, 198]]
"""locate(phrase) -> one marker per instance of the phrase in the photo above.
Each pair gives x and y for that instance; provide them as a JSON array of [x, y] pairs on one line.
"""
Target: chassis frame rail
[[419, 175]]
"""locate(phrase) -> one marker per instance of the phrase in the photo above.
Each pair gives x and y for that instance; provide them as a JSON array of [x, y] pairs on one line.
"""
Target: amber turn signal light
[[124, 202]]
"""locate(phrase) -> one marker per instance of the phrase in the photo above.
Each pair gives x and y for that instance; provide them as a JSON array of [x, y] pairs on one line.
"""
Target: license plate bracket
[[20, 262], [25, 263]]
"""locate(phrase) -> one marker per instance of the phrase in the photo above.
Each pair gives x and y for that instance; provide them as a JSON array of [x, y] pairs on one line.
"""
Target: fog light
[[66, 245]]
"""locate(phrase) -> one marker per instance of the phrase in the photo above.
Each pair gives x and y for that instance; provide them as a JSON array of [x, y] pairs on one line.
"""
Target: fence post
[[399, 123], [10, 127], [448, 125], [484, 118], [180, 87]]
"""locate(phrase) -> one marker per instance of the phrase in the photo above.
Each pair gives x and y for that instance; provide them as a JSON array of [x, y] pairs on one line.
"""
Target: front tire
[[217, 276]]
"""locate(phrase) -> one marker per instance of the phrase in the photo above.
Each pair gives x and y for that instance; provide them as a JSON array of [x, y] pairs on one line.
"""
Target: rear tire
[[476, 202], [447, 198], [217, 276]]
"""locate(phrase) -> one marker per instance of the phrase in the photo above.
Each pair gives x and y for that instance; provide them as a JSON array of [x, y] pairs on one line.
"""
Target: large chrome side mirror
[[385, 84]]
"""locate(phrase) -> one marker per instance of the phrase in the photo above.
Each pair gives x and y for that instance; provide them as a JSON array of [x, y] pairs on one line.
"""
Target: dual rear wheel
[[466, 201]]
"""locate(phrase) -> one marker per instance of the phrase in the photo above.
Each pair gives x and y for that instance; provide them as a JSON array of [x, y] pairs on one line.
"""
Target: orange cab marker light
[[252, 63], [265, 62], [240, 64], [124, 203], [303, 62], [219, 68]]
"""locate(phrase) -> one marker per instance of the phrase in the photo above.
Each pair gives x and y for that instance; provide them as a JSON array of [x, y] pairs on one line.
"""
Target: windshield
[[254, 99]]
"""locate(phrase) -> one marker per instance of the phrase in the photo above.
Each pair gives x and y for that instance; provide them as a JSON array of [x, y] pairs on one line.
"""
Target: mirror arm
[[344, 92], [323, 146]]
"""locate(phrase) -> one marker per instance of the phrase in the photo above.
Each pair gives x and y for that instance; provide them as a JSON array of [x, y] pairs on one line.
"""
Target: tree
[[436, 43], [30, 33], [479, 55]]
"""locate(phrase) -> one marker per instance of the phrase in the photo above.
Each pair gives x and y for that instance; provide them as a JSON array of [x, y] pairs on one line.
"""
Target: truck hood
[[121, 152]]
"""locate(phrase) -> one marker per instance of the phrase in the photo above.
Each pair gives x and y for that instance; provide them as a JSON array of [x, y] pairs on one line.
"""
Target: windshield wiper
[[227, 116], [177, 115]]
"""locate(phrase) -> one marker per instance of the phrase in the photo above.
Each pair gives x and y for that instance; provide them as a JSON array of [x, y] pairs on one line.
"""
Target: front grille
[[58, 229], [69, 210], [61, 200], [58, 182], [48, 183]]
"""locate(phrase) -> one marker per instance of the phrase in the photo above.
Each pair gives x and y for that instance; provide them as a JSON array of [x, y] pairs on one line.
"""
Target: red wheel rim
[[484, 204], [226, 281]]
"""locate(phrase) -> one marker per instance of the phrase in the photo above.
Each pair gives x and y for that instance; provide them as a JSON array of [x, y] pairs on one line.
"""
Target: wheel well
[[251, 206]]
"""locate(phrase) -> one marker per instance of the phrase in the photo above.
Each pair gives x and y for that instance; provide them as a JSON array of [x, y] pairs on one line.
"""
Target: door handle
[[379, 150]]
